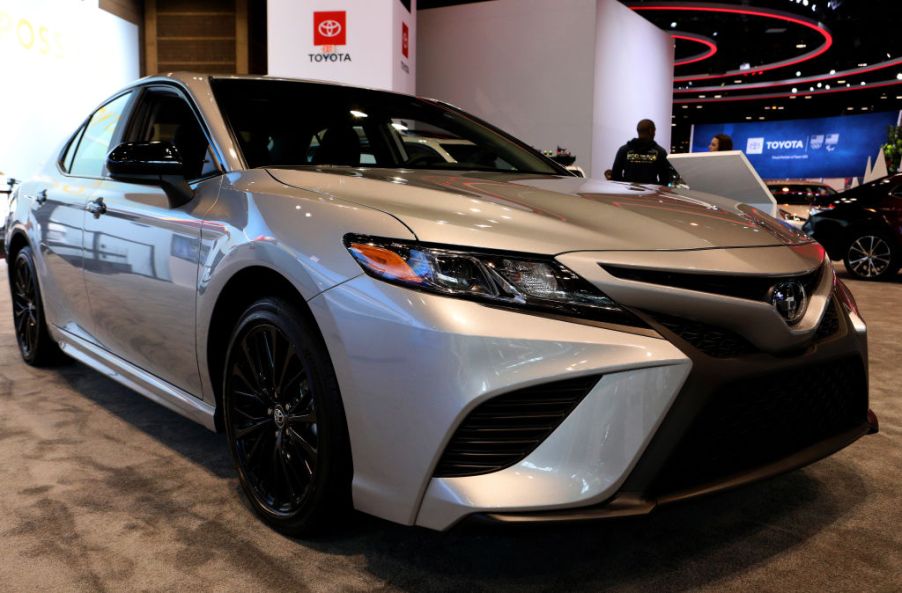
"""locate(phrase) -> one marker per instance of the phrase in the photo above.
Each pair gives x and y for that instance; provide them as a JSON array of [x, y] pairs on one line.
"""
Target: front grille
[[719, 342], [756, 288], [503, 430], [754, 422], [713, 341]]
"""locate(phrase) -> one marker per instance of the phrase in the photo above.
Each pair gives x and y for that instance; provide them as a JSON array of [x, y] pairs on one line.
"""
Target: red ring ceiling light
[[843, 89], [709, 43], [790, 81], [758, 12]]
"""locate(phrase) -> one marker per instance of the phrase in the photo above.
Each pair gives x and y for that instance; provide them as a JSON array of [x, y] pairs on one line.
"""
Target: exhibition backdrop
[[58, 60], [370, 43], [573, 73], [805, 148]]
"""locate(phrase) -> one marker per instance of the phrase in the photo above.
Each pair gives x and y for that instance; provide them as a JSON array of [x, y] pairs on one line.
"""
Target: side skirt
[[136, 379]]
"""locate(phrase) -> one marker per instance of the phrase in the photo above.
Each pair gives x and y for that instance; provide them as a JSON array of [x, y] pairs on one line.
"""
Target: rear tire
[[284, 420], [35, 344], [872, 255]]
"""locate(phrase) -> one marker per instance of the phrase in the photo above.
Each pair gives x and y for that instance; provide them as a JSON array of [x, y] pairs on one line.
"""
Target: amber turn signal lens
[[384, 262]]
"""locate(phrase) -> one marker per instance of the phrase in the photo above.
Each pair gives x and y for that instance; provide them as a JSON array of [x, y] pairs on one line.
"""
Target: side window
[[167, 117], [94, 145], [66, 162]]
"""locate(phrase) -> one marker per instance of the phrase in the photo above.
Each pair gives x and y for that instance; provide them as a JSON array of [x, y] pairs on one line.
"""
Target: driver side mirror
[[151, 163]]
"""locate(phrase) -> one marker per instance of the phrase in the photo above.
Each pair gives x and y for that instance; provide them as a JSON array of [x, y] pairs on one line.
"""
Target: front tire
[[284, 420], [871, 255], [35, 344]]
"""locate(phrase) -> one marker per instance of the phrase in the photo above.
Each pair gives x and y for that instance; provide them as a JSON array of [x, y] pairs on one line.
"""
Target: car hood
[[545, 214]]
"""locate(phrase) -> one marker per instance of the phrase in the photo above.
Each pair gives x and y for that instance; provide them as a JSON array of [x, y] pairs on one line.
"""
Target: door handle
[[41, 197], [97, 207]]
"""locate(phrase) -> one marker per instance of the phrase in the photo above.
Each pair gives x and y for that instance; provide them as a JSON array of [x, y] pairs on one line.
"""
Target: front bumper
[[412, 366]]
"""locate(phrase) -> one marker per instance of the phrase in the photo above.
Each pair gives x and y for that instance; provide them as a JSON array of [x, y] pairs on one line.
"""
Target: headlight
[[508, 280]]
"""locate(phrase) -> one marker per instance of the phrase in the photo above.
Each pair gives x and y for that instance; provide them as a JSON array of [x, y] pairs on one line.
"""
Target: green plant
[[892, 150]]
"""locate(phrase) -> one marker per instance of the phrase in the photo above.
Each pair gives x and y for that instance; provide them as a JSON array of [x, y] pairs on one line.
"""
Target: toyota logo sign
[[330, 28], [789, 300]]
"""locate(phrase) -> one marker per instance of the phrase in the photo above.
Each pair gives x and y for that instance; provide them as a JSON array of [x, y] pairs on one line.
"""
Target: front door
[[142, 255]]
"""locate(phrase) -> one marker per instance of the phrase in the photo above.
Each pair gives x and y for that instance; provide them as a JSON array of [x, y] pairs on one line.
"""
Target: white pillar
[[633, 81], [358, 42]]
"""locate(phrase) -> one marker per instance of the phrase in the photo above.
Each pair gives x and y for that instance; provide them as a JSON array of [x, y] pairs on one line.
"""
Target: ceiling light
[[699, 106], [864, 108], [795, 90], [685, 107], [767, 107], [805, 2], [737, 81], [801, 46], [761, 117], [714, 34], [811, 88], [807, 96], [358, 114], [849, 108], [673, 25], [827, 86], [798, 73], [840, 82], [862, 65], [899, 76], [863, 83], [748, 117], [820, 84], [833, 72]]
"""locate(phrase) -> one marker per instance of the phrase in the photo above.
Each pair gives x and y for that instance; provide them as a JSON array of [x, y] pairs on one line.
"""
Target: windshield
[[286, 123]]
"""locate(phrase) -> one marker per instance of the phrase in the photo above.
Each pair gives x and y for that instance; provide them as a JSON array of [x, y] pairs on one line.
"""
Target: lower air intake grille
[[713, 341], [505, 429], [754, 422]]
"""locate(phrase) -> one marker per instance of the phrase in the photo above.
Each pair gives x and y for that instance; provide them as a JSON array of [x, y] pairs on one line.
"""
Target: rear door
[[59, 212]]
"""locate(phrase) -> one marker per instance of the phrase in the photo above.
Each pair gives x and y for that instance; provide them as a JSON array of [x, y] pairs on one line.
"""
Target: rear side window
[[94, 144]]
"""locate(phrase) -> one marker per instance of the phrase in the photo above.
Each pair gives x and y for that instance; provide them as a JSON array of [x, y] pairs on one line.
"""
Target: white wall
[[574, 73], [58, 60], [523, 65], [633, 81], [371, 56]]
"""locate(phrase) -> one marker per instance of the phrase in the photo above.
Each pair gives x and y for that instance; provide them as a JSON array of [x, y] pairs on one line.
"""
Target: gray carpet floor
[[103, 491]]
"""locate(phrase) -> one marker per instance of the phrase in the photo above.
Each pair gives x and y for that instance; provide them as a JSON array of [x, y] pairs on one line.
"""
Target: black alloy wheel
[[871, 255], [35, 344], [284, 419]]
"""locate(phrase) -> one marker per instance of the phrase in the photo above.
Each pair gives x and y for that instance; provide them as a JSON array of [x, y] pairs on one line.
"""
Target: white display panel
[[358, 42], [726, 173], [58, 60]]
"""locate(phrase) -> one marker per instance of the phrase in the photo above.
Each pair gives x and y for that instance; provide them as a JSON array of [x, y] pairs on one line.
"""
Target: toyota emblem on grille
[[789, 300], [329, 28]]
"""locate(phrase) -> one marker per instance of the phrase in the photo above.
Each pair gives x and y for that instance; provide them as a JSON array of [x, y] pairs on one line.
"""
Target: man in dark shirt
[[642, 160]]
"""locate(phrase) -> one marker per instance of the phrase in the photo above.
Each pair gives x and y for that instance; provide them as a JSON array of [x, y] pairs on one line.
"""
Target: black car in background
[[863, 227]]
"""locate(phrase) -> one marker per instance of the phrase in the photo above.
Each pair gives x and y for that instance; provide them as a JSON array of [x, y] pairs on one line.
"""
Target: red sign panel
[[405, 40], [330, 28]]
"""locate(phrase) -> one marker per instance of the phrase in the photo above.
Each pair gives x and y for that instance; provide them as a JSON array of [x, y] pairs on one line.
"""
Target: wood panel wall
[[196, 35]]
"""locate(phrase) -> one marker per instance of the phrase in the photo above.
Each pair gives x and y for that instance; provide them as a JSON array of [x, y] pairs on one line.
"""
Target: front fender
[[259, 222]]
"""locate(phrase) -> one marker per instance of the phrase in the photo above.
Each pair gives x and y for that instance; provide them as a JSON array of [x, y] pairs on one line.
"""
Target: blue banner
[[805, 148]]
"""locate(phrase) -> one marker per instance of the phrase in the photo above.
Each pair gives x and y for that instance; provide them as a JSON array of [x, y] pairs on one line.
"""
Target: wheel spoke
[[308, 449], [252, 428], [306, 418]]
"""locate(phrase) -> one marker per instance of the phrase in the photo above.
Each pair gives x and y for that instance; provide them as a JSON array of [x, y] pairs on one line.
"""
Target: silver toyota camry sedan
[[387, 304]]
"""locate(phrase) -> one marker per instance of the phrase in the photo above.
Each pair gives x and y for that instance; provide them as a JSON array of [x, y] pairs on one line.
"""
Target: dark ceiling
[[787, 58]]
